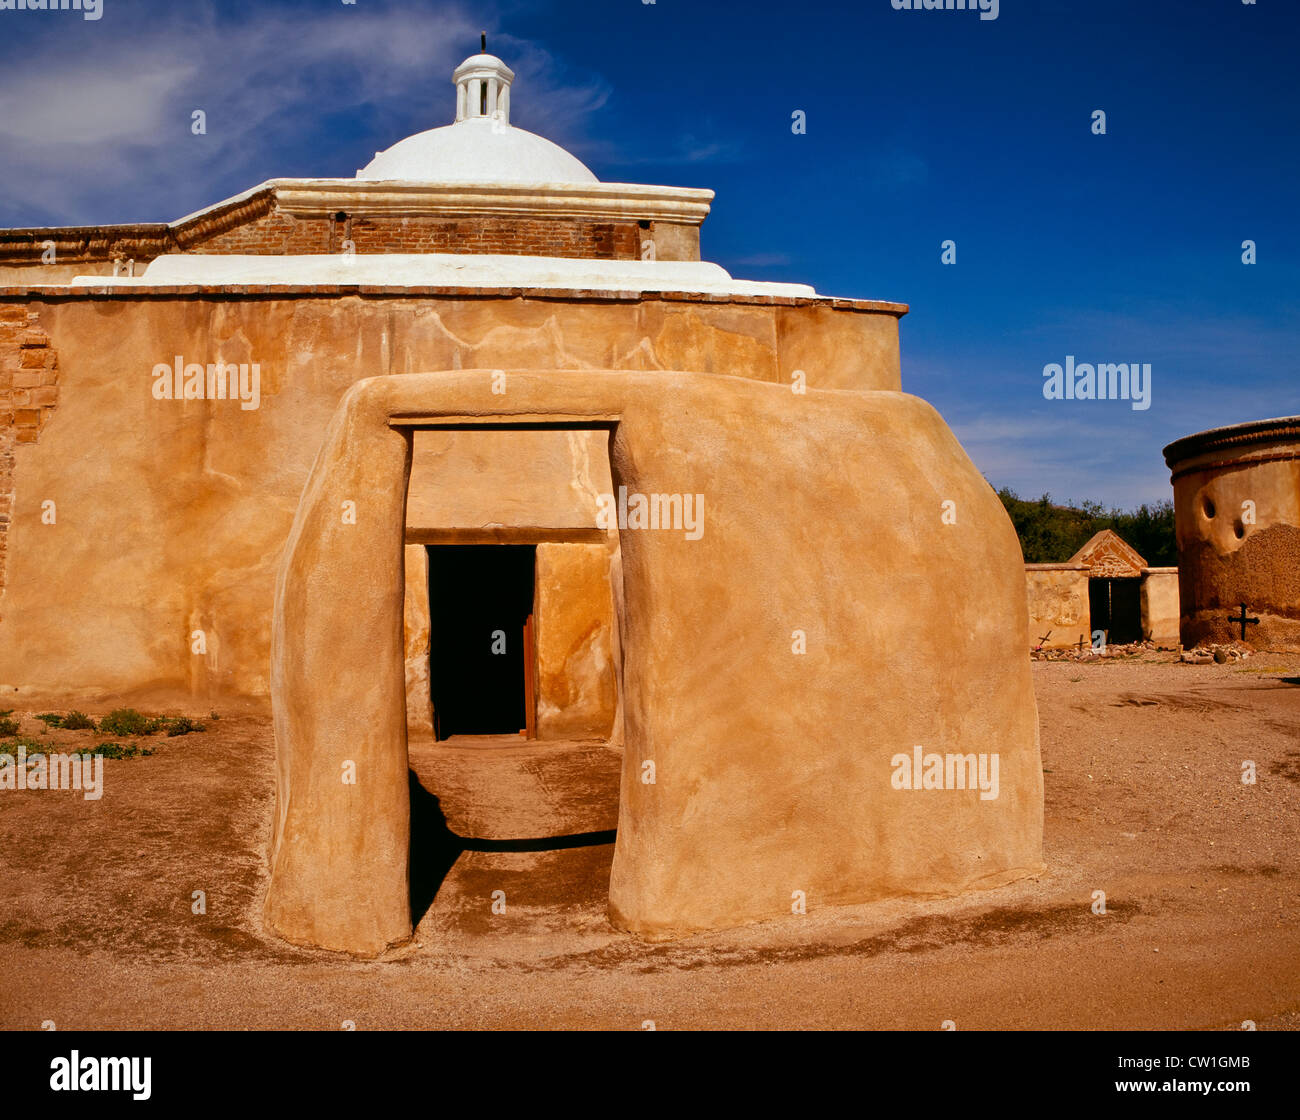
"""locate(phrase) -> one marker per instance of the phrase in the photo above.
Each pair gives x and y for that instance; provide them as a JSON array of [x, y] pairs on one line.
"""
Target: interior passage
[[480, 601]]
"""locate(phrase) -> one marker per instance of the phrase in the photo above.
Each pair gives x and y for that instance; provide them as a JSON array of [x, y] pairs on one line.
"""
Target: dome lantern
[[483, 87]]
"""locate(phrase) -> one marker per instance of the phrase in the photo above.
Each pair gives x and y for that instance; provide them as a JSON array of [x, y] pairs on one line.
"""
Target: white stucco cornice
[[307, 198], [317, 198]]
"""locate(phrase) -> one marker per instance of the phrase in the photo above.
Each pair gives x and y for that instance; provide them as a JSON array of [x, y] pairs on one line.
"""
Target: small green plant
[[183, 725], [78, 721], [127, 722], [34, 747], [50, 719], [117, 750], [213, 715], [8, 726]]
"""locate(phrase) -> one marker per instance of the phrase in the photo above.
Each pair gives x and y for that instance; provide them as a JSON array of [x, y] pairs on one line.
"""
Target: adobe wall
[[1059, 613], [169, 516], [1159, 606], [759, 773], [1237, 521], [416, 636], [577, 690]]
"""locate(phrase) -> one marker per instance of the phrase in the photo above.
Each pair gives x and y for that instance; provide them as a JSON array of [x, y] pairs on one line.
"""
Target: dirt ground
[[1145, 801]]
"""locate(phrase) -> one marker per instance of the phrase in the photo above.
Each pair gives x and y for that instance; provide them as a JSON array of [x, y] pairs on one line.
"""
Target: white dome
[[477, 150]]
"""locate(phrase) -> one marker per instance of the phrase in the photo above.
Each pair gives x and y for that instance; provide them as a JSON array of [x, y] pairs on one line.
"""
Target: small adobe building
[[1237, 519], [1106, 586], [474, 445]]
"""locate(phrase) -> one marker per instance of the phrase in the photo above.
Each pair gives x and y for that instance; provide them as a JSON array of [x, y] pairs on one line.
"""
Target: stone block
[[36, 359]]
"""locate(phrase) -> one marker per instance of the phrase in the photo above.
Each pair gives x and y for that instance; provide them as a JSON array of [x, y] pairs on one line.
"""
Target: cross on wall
[[1243, 621]]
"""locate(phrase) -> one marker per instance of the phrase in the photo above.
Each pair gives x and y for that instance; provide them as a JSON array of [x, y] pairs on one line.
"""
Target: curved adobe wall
[[780, 670], [1237, 519]]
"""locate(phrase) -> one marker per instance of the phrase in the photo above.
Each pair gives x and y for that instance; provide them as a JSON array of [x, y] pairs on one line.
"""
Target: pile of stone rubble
[[1088, 653], [1201, 655]]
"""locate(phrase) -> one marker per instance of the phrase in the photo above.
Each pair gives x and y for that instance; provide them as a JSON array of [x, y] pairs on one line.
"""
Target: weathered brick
[[47, 396], [36, 359], [280, 233], [27, 418]]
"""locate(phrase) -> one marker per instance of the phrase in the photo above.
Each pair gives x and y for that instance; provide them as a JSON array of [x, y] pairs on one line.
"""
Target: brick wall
[[29, 375], [279, 233], [28, 391], [255, 225]]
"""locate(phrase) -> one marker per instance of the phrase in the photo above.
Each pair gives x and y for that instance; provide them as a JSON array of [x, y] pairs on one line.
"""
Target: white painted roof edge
[[647, 191], [444, 270]]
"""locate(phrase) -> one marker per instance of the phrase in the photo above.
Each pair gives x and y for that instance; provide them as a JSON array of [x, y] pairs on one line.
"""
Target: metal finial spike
[[483, 37]]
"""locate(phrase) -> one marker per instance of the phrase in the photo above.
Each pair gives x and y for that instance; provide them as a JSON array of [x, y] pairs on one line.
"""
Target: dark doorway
[[480, 637], [1116, 607]]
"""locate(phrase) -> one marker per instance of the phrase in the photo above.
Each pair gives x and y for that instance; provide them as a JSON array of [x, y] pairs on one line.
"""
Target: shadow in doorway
[[435, 848]]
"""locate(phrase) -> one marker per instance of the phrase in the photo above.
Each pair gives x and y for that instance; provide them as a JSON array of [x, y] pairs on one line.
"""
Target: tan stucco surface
[[574, 627], [772, 768], [520, 479], [171, 515], [1159, 605], [1058, 605], [416, 635]]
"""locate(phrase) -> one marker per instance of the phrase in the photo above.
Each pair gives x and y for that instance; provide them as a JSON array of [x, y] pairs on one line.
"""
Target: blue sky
[[921, 126]]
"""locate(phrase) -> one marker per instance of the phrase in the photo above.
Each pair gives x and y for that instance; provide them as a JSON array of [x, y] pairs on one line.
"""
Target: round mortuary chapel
[[1237, 520]]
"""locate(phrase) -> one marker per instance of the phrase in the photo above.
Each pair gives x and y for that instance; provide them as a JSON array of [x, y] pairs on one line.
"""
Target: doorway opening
[[1116, 607], [481, 659]]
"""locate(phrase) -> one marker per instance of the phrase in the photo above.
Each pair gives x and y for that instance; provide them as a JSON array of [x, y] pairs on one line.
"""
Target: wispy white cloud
[[105, 135], [1071, 456], [1210, 367]]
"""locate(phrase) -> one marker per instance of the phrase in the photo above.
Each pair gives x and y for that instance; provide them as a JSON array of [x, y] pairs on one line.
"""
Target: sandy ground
[[1144, 800]]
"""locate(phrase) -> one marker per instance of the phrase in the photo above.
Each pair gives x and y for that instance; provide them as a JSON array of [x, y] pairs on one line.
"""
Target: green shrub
[[8, 726], [50, 719], [117, 750], [33, 746], [105, 750], [1051, 533], [127, 721], [78, 721], [183, 725]]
